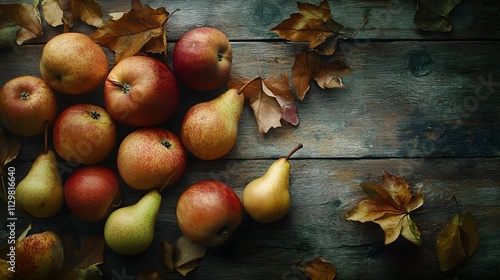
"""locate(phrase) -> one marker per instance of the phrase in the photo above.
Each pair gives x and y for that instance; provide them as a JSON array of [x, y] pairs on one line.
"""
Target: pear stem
[[298, 147], [243, 87], [46, 138]]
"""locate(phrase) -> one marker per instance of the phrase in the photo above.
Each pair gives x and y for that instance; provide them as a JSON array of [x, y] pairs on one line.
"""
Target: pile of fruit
[[140, 92]]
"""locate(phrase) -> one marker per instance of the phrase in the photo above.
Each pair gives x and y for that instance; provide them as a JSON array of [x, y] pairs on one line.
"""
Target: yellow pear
[[130, 230], [267, 198], [40, 193], [209, 129]]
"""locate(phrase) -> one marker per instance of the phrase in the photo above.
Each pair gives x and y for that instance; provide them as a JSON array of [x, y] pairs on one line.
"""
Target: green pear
[[209, 129], [267, 198], [41, 193], [130, 230]]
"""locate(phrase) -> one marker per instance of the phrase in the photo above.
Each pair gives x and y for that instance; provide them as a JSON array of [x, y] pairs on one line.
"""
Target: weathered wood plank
[[323, 193], [252, 20], [403, 99]]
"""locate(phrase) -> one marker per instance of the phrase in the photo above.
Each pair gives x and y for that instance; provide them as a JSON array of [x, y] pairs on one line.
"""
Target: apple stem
[[46, 138], [248, 83], [298, 147]]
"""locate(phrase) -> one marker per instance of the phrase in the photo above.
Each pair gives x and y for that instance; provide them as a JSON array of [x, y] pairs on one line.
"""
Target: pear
[[130, 230], [267, 198], [209, 129], [41, 193]]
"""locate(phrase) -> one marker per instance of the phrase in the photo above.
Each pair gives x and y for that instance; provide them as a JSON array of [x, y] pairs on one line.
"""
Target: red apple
[[141, 91], [92, 192], [209, 212], [72, 63], [26, 104], [39, 256], [84, 133], [150, 158], [202, 59]]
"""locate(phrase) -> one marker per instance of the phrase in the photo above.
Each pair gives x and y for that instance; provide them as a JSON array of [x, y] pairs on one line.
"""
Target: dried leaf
[[67, 12], [5, 273], [457, 241], [317, 269], [150, 274], [325, 70], [389, 205], [313, 24], [271, 100], [434, 15], [187, 255], [10, 145], [142, 28], [23, 19], [167, 255], [81, 263]]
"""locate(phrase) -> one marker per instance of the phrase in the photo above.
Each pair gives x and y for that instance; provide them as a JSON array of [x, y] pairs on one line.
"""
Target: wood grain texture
[[423, 106]]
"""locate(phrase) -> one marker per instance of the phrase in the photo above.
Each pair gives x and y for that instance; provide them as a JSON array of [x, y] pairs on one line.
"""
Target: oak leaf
[[10, 145], [270, 99], [389, 205], [317, 269], [325, 70], [140, 29], [313, 24], [19, 23], [183, 256], [434, 15], [67, 12], [81, 262], [457, 241]]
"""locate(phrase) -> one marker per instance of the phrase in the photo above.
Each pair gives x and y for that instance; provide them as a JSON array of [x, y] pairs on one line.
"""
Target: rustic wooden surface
[[424, 106]]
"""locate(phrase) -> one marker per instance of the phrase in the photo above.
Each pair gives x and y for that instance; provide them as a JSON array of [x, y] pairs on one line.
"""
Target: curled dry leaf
[[67, 12], [325, 70], [81, 263], [183, 256], [271, 100], [19, 23], [140, 29], [434, 15], [389, 205], [317, 269], [10, 145], [457, 241], [313, 24]]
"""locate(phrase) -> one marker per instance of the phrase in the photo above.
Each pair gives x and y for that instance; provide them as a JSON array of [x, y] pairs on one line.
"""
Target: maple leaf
[[142, 28], [434, 15], [325, 70], [19, 23], [389, 205], [270, 99], [317, 269], [81, 262], [182, 256], [67, 12], [457, 241], [10, 146], [313, 24]]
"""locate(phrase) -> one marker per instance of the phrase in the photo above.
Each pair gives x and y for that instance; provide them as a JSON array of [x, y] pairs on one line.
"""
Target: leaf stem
[[243, 87], [357, 31], [453, 198]]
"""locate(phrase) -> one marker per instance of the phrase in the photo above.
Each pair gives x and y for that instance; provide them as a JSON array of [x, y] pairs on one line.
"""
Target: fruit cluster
[[141, 92]]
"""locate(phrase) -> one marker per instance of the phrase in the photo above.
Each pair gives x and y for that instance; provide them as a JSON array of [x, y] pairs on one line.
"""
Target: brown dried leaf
[[325, 70], [271, 100], [183, 256], [434, 15], [81, 263], [457, 241], [389, 205], [313, 24], [23, 19], [5, 273], [317, 269], [142, 28], [10, 145], [67, 12], [167, 255]]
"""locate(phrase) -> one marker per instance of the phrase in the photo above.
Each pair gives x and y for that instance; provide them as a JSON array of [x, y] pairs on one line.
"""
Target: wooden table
[[423, 106]]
